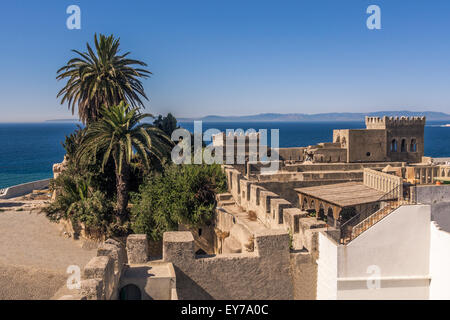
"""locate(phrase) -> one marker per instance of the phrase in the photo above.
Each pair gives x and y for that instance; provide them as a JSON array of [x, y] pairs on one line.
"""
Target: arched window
[[330, 212], [394, 145], [305, 204], [413, 146], [330, 217], [403, 146], [321, 213]]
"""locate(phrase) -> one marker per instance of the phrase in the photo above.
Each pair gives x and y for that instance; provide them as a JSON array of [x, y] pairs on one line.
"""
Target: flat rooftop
[[343, 194]]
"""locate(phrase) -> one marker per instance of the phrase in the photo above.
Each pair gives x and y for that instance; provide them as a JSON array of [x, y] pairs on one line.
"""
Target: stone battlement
[[389, 122]]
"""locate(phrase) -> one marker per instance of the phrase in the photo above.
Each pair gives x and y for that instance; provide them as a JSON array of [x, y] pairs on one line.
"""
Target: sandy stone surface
[[34, 256]]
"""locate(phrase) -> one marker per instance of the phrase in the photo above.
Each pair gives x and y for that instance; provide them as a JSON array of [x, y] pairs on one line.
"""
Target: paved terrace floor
[[343, 194], [33, 255]]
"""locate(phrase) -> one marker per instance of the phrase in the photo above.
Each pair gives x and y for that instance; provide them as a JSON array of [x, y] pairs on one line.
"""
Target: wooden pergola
[[334, 198]]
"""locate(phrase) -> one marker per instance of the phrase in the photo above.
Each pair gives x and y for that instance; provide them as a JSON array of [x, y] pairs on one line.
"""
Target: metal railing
[[353, 227]]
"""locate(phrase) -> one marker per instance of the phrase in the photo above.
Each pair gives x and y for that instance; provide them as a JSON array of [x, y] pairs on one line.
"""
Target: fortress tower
[[384, 139], [404, 135]]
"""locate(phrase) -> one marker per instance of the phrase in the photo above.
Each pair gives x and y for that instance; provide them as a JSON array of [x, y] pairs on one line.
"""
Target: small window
[[368, 154], [394, 145], [413, 146], [200, 232], [403, 146]]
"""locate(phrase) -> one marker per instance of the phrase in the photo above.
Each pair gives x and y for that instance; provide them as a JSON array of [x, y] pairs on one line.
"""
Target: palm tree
[[118, 134], [101, 78]]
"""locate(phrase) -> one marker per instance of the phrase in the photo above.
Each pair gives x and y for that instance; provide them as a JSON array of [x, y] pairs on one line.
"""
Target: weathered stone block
[[92, 289], [272, 242], [102, 268], [311, 223], [117, 254], [178, 246], [137, 248], [97, 267]]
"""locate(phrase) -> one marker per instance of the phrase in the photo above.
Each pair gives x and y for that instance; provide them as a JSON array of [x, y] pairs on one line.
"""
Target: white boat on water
[[446, 125]]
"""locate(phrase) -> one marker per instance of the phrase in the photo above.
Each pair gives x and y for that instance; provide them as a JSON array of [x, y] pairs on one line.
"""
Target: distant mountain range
[[337, 116]]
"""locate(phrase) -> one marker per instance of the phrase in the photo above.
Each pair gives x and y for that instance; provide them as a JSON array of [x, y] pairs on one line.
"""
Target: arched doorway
[[321, 213], [305, 204], [330, 217], [130, 292], [347, 213]]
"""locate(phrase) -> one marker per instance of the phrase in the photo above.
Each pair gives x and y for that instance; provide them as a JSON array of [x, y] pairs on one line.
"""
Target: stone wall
[[292, 154], [22, 189], [367, 146], [274, 211], [432, 194], [262, 274], [115, 268], [101, 275]]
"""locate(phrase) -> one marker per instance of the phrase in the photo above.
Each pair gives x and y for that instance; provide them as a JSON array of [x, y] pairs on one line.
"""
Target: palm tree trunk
[[122, 182]]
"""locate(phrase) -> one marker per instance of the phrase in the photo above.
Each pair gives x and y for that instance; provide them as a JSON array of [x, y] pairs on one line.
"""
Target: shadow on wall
[[190, 290]]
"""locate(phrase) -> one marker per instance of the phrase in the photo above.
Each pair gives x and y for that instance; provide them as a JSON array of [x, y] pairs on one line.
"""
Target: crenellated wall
[[273, 211]]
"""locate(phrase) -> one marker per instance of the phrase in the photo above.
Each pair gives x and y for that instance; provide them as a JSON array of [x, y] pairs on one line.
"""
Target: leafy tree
[[102, 78], [167, 124], [118, 135], [183, 194]]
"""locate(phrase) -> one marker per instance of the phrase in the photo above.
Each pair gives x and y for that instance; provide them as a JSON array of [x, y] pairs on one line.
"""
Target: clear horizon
[[232, 58]]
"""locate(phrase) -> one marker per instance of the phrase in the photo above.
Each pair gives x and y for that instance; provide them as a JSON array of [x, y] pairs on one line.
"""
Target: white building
[[406, 255]]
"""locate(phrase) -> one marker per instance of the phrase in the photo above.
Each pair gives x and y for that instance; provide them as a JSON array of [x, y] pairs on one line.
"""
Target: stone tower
[[405, 136]]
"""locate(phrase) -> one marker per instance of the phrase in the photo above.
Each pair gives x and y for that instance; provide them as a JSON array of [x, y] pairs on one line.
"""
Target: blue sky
[[237, 57]]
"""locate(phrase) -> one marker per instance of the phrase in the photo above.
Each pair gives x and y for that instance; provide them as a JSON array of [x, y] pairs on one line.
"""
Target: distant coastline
[[303, 117]]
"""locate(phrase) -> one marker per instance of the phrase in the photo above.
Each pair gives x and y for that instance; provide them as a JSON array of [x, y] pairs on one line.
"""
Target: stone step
[[224, 196], [226, 203]]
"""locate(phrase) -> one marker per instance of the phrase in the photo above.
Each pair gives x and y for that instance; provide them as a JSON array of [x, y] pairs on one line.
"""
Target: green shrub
[[79, 203], [183, 194]]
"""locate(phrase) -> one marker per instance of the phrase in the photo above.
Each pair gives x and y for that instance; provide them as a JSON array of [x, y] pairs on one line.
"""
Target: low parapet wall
[[23, 189], [262, 274], [116, 268], [382, 181]]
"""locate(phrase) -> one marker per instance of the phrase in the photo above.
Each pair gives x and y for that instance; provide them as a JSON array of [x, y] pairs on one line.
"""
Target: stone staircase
[[224, 199]]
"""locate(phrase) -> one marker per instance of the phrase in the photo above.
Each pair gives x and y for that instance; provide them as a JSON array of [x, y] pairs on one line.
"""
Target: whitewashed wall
[[439, 263], [326, 269], [398, 247]]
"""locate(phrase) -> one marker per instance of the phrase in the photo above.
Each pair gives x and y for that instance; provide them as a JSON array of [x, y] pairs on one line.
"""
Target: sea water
[[29, 150]]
